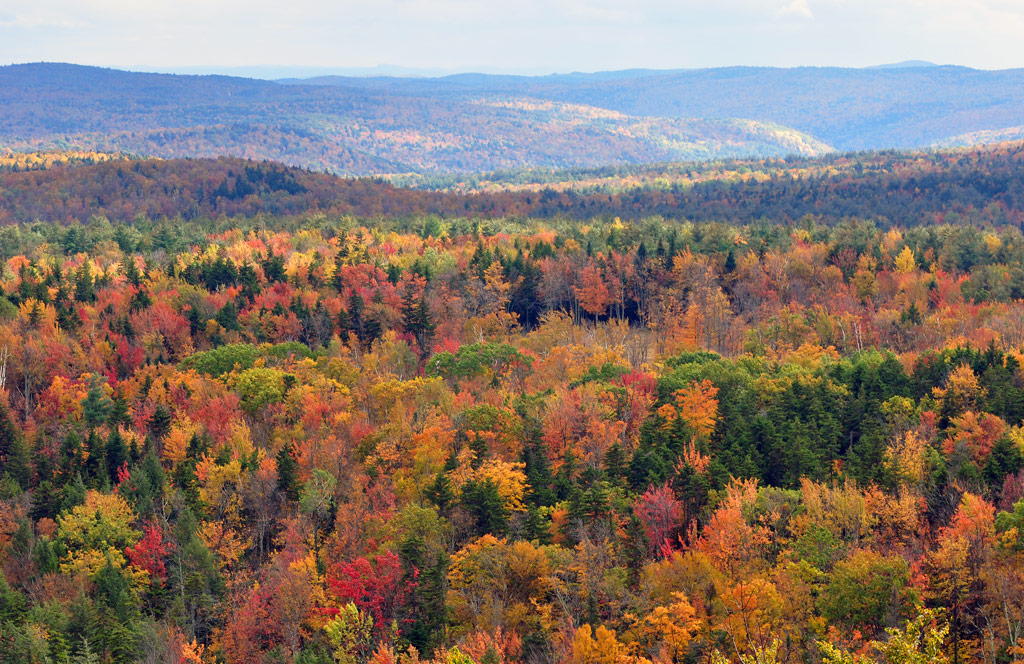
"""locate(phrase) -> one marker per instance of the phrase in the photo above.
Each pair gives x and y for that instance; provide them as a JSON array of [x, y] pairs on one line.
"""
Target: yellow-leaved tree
[[905, 262], [95, 532]]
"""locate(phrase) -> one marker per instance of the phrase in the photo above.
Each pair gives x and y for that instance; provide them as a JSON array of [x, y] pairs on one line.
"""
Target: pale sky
[[528, 36]]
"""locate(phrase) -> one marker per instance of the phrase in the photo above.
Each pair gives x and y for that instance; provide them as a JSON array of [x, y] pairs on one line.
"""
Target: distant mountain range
[[481, 122], [906, 64], [896, 106]]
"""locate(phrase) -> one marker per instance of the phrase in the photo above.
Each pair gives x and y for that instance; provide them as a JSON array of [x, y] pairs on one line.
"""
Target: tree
[[377, 587], [483, 501], [149, 553], [597, 647], [349, 634], [593, 295], [96, 405], [287, 469], [921, 641], [905, 262], [673, 625], [96, 533], [8, 432], [84, 285], [317, 502], [160, 422], [661, 515], [194, 581], [17, 464], [416, 317], [864, 589]]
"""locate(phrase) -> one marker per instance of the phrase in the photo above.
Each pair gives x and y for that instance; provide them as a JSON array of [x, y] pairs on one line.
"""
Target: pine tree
[[440, 492], [372, 329], [96, 405], [95, 467], [70, 454], [227, 317], [354, 312], [8, 434], [635, 546], [416, 319], [484, 503], [287, 473], [18, 464], [12, 602], [131, 271], [85, 289], [423, 618], [117, 454], [45, 501], [615, 464], [72, 494], [160, 422]]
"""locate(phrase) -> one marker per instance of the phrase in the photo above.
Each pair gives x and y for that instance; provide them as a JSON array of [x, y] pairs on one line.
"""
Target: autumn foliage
[[443, 440]]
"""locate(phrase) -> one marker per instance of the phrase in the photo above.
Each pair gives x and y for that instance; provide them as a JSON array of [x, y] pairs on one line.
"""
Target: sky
[[517, 36]]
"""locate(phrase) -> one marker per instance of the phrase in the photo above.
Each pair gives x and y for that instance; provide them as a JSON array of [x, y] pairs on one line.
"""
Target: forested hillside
[[982, 185], [330, 420], [350, 130], [850, 109], [472, 122]]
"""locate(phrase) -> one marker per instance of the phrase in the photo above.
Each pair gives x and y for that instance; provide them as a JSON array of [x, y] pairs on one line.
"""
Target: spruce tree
[[117, 454], [160, 422], [287, 473], [96, 405], [85, 288]]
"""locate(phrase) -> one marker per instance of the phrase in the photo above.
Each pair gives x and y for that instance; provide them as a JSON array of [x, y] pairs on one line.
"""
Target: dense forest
[[978, 185], [303, 427]]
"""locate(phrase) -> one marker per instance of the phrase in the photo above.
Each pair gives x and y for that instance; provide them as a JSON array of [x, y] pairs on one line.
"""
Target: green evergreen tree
[[485, 505], [95, 467], [85, 290], [18, 464], [72, 494], [8, 432], [416, 319], [227, 317], [440, 492], [117, 454], [287, 473], [160, 422]]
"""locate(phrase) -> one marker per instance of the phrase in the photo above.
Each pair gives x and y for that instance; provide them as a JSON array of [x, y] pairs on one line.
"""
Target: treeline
[[33, 161], [601, 443], [982, 186]]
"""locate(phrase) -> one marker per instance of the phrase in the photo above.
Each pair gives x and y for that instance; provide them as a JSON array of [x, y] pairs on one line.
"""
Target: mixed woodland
[[511, 432], [962, 186]]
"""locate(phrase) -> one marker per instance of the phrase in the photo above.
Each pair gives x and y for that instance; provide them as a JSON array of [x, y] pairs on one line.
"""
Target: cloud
[[798, 8], [34, 20], [524, 35]]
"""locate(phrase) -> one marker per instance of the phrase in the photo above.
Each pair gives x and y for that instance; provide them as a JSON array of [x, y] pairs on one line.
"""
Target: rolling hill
[[850, 109], [469, 123], [909, 188], [349, 129]]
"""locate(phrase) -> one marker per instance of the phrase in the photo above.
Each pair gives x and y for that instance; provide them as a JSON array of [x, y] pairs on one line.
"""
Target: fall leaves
[[395, 447]]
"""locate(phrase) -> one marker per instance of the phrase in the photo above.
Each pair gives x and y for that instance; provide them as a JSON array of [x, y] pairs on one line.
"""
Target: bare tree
[[5, 354]]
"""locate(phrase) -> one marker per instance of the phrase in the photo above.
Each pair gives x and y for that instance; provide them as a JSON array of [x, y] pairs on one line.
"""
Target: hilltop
[[906, 188], [468, 123], [849, 109], [352, 129]]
